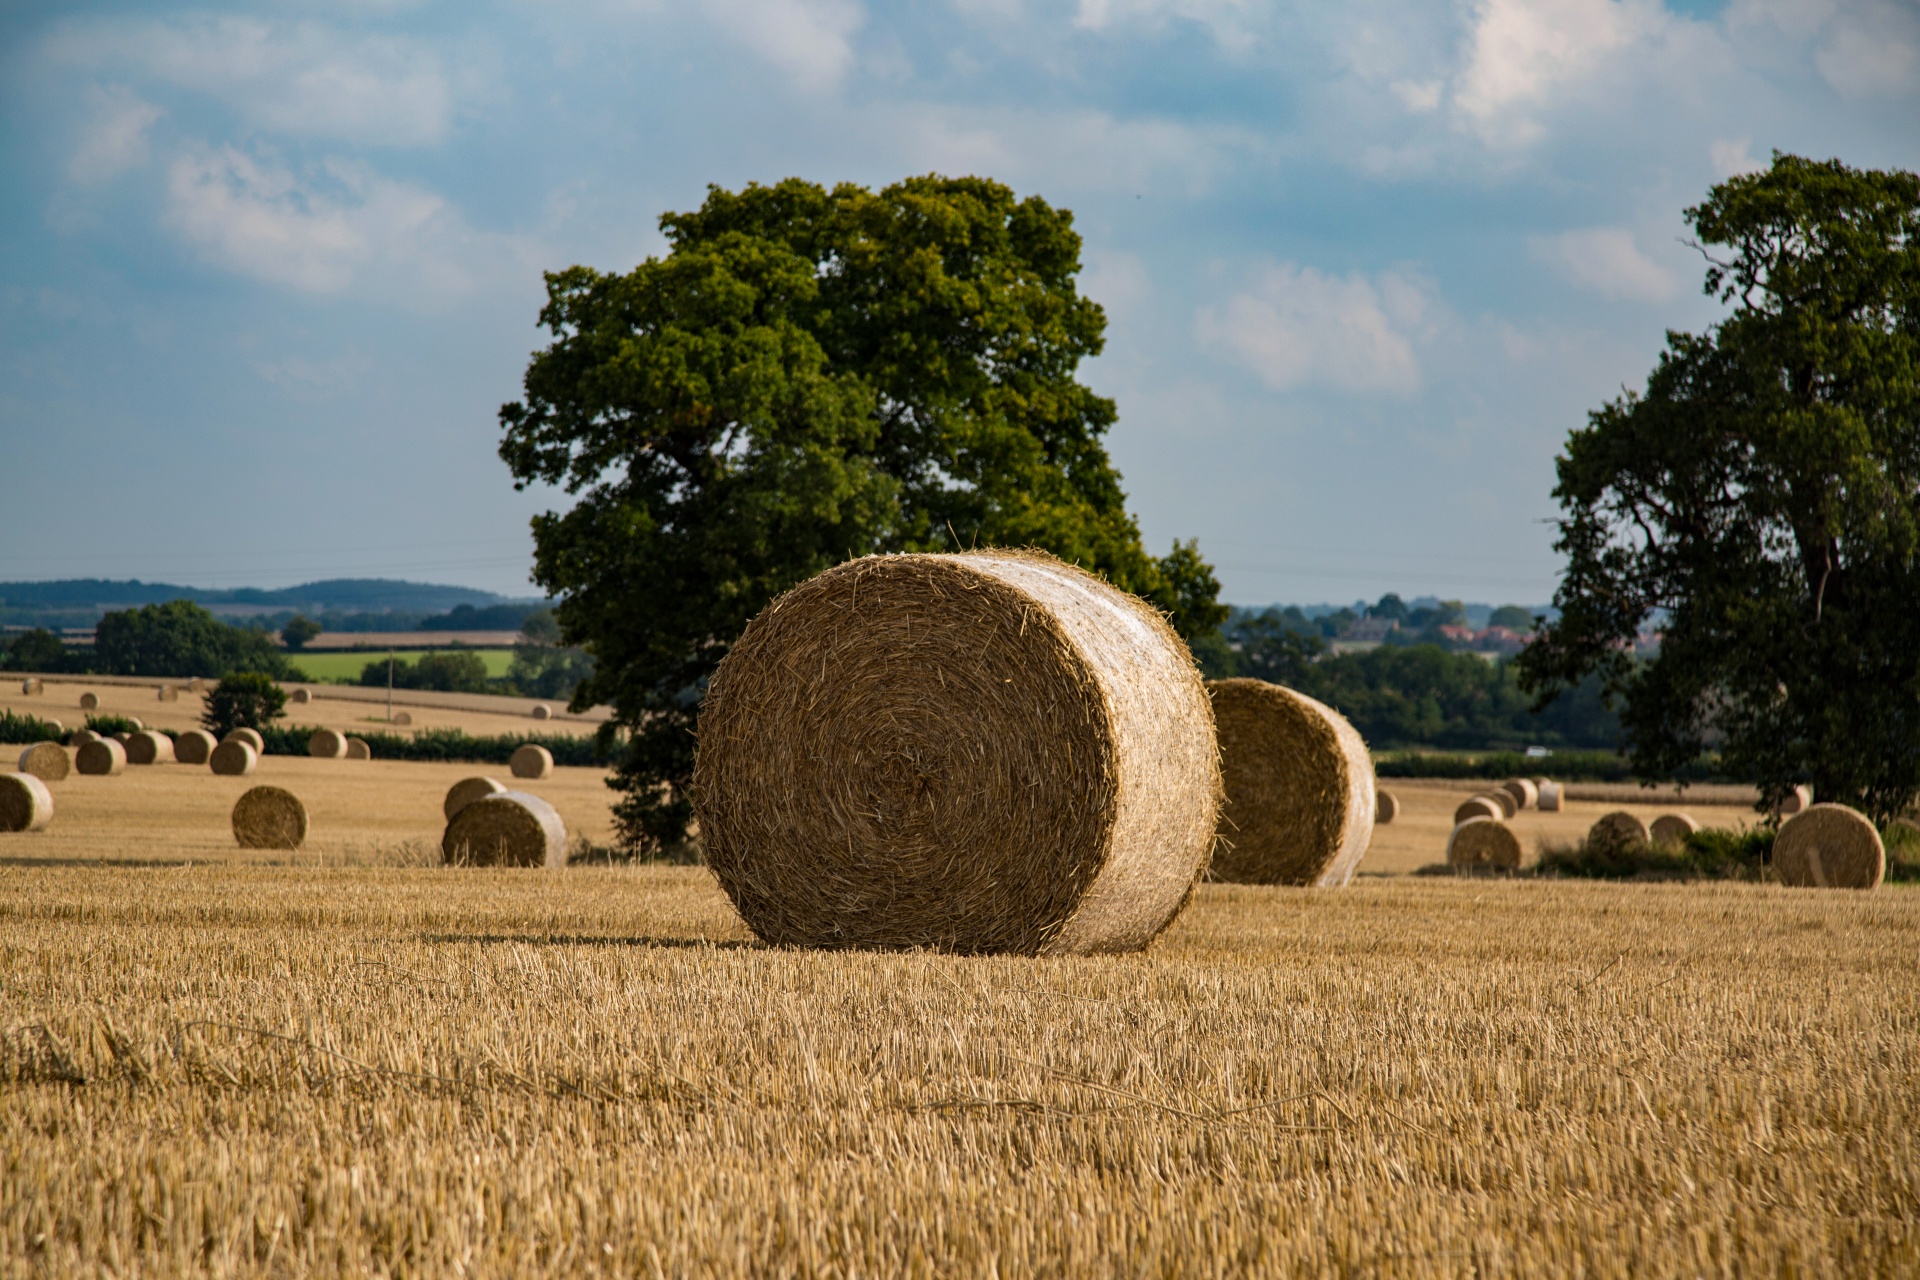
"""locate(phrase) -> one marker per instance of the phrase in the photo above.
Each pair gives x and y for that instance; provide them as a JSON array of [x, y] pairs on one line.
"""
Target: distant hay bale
[[1508, 805], [100, 758], [357, 749], [541, 711], [233, 758], [1525, 794], [195, 685], [31, 684], [47, 761], [167, 693], [1795, 801], [25, 802], [81, 737], [1672, 828], [1619, 828], [1479, 807], [89, 702], [326, 744], [1552, 797], [193, 746], [135, 721], [1298, 802], [149, 746], [1829, 846], [402, 717], [301, 696], [1386, 807], [1538, 783], [1484, 842], [530, 761], [53, 724], [985, 752], [269, 818], [507, 829], [465, 792], [249, 736]]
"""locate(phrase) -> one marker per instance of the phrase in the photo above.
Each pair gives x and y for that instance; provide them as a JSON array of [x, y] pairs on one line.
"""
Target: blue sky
[[268, 271]]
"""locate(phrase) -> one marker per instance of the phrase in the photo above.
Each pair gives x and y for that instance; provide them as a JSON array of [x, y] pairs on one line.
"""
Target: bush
[[461, 671], [1903, 851], [1713, 853], [1565, 766], [107, 726], [180, 638], [455, 744], [245, 698], [26, 729], [40, 650]]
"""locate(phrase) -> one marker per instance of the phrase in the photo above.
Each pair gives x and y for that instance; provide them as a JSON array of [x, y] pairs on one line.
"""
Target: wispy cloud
[[114, 138], [1297, 327], [1522, 51], [1606, 261], [810, 40]]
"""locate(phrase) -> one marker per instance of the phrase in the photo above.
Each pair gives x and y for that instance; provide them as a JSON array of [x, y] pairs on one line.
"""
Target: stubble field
[[344, 1061]]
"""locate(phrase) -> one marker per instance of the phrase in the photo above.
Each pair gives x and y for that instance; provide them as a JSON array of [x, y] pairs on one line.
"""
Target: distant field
[[318, 667]]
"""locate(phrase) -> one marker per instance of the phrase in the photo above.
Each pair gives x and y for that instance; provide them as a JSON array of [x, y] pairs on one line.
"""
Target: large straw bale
[[193, 747], [149, 746], [301, 696], [1386, 807], [1619, 828], [1552, 797], [167, 693], [465, 792], [25, 802], [358, 749], [102, 757], [1299, 802], [326, 744], [1525, 794], [233, 758], [1795, 801], [249, 736], [507, 829], [269, 818], [1508, 805], [47, 761], [541, 711], [89, 702], [1672, 828], [1479, 807], [1483, 842], [985, 752], [1829, 846], [530, 761]]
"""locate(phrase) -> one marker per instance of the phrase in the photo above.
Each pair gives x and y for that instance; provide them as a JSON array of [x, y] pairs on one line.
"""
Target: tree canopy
[[180, 638], [807, 376], [1760, 503]]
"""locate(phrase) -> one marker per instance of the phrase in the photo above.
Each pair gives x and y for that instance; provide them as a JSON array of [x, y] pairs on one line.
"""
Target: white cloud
[[1523, 51], [115, 139], [1080, 151], [1606, 261], [1873, 50], [1297, 327], [810, 40], [1418, 96], [1734, 156], [1225, 20]]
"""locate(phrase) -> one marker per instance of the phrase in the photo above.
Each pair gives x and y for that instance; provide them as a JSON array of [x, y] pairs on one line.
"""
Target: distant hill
[[79, 602]]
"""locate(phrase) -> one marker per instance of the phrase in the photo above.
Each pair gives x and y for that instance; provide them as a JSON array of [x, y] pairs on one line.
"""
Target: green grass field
[[346, 667]]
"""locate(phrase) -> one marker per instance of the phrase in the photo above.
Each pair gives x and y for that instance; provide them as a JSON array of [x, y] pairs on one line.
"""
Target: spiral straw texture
[[269, 818], [1829, 846]]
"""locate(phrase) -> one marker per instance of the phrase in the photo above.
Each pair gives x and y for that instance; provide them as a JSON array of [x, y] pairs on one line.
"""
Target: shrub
[[107, 726], [455, 744], [245, 698], [297, 631], [461, 671], [1903, 851], [1565, 766], [1712, 853], [16, 728]]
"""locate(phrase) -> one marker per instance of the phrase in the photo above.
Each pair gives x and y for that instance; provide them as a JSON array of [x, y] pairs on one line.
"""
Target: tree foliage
[[1761, 502], [298, 630], [180, 638], [39, 650], [243, 698], [807, 376], [460, 671]]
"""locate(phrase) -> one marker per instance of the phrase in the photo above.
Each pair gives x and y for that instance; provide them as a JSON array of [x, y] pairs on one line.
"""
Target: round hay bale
[[249, 736], [25, 802], [357, 749], [1299, 800], [1508, 805], [167, 693], [403, 717], [269, 818], [46, 761], [193, 747], [1672, 828], [507, 829], [1525, 794], [1619, 828], [985, 752], [53, 724], [1538, 782], [233, 758], [1795, 801], [326, 744], [1386, 807], [149, 746], [121, 738], [1479, 807], [530, 761], [195, 685], [1484, 842], [1552, 797], [81, 737], [301, 696], [1829, 846], [31, 685], [101, 758], [465, 792], [89, 702], [136, 722], [541, 711]]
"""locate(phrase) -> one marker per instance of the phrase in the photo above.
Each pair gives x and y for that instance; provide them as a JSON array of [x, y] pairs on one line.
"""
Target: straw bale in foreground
[[149, 746], [269, 818], [465, 792], [985, 752], [357, 749], [1552, 796], [530, 761], [1525, 793], [508, 829], [47, 761], [89, 702], [25, 802], [1672, 828], [1831, 847], [1298, 802], [100, 758], [249, 736], [1619, 828], [1479, 807], [1386, 807], [233, 758], [1483, 842], [193, 746], [326, 744]]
